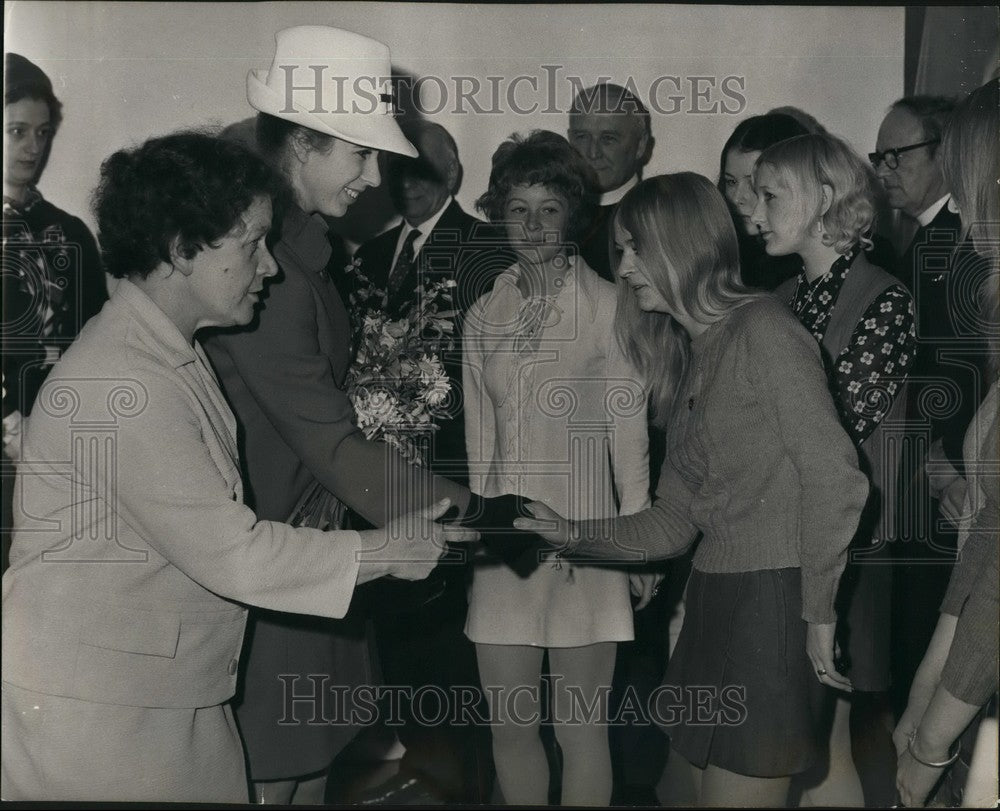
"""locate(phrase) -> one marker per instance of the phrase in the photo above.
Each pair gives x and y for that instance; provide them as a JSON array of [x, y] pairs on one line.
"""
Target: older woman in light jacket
[[134, 555]]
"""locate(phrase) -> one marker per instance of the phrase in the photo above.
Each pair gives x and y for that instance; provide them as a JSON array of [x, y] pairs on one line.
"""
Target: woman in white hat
[[325, 111]]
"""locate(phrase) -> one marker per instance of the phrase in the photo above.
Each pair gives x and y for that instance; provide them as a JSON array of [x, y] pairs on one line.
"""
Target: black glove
[[494, 518]]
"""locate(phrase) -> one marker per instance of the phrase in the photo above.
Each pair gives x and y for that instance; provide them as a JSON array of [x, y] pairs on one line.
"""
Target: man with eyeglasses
[[946, 378]]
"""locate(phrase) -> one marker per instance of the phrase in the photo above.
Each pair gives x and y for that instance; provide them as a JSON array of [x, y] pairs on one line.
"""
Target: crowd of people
[[742, 372]]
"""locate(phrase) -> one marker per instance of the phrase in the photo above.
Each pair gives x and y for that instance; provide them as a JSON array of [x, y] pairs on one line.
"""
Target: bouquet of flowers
[[397, 382]]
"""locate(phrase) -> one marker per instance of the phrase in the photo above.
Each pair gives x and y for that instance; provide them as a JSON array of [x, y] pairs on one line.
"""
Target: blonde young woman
[[816, 200], [739, 386]]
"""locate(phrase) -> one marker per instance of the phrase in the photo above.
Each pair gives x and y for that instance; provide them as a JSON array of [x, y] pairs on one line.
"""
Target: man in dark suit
[[611, 129], [436, 240], [947, 379]]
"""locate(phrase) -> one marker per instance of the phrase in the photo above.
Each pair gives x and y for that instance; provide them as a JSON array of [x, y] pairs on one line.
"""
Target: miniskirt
[[740, 692]]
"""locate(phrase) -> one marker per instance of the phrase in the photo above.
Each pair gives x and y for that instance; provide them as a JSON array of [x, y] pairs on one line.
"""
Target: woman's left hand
[[644, 585], [952, 500], [820, 646], [547, 524], [914, 780]]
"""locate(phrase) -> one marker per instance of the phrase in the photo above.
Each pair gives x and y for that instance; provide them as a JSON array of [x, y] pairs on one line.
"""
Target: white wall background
[[126, 71]]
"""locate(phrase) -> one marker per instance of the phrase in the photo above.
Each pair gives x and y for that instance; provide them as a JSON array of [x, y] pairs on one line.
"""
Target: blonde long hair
[[971, 168], [685, 238]]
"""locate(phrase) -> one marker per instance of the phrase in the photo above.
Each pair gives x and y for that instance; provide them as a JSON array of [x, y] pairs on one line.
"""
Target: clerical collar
[[928, 215], [613, 197]]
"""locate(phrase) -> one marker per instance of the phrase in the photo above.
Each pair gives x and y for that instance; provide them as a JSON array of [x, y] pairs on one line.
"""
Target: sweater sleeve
[[970, 672], [663, 531], [783, 360]]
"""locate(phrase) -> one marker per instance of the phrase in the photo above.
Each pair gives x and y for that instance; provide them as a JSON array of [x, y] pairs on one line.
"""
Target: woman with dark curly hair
[[133, 551], [817, 201], [550, 403]]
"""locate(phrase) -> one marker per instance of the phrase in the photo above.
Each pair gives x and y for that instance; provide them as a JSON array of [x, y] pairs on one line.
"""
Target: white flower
[[867, 358], [376, 408], [372, 323]]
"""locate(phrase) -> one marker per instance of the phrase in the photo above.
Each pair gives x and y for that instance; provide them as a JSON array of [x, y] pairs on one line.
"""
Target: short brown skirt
[[740, 692]]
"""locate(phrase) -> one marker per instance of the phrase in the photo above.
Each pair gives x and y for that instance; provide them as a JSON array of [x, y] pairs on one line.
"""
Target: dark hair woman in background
[[739, 155], [52, 277]]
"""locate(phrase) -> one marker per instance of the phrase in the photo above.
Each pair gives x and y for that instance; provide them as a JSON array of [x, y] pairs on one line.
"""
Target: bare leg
[[522, 771], [723, 788], [585, 673], [835, 783], [981, 787], [679, 784]]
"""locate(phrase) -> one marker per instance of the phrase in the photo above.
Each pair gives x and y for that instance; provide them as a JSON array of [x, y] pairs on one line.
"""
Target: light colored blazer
[[133, 552], [563, 421]]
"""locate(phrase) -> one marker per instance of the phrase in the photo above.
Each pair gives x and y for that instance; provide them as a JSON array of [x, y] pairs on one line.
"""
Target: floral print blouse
[[883, 343]]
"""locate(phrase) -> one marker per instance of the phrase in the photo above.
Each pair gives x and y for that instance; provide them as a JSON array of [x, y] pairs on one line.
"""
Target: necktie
[[404, 262]]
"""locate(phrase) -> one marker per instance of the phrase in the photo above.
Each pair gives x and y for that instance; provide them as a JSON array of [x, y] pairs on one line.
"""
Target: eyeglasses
[[891, 156]]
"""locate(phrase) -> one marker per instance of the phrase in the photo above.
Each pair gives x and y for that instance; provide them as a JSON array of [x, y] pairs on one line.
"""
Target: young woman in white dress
[[554, 412]]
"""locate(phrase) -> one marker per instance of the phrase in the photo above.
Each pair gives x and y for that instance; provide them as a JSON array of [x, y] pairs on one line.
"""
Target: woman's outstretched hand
[[410, 546], [548, 525]]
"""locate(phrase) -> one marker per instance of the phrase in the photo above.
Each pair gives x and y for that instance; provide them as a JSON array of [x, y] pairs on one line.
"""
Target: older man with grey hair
[[611, 128]]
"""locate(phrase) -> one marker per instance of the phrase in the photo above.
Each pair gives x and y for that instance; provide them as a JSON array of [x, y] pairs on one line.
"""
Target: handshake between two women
[[510, 528]]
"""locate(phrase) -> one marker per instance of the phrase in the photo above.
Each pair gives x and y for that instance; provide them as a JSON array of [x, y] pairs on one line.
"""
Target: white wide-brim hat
[[332, 81]]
